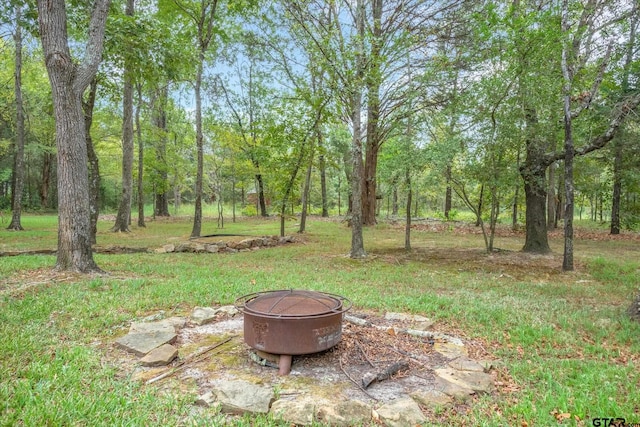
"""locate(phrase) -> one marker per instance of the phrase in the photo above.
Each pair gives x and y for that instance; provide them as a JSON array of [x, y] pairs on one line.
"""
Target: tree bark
[[197, 216], [93, 164], [305, 192], [567, 74], [369, 187], [407, 227], [447, 193], [45, 179], [357, 241], [124, 209], [617, 187], [141, 222], [18, 162], [161, 205], [262, 203], [533, 174], [322, 165], [551, 198], [68, 82]]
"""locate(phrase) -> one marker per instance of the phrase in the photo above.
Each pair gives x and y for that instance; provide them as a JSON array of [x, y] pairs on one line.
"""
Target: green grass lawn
[[568, 352]]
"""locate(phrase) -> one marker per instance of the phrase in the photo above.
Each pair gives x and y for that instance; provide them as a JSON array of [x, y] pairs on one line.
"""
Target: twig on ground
[[354, 381], [196, 357]]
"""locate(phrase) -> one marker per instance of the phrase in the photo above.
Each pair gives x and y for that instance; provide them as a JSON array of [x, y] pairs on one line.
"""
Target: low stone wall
[[249, 244]]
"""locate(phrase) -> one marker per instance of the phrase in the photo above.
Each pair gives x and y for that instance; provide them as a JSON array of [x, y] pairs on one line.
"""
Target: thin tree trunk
[[447, 193], [262, 203], [124, 208], [141, 222], [18, 163], [551, 198], [480, 206], [567, 262], [305, 194], [161, 202], [407, 228], [45, 179], [357, 241], [197, 216], [93, 163], [322, 164]]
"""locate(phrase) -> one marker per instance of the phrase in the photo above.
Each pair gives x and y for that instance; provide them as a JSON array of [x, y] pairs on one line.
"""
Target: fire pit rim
[[241, 305]]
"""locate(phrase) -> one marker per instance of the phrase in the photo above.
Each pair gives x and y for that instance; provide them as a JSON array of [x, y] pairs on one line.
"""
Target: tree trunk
[[394, 202], [197, 216], [369, 188], [141, 222], [124, 209], [357, 241], [45, 179], [322, 164], [261, 199], [161, 203], [68, 82], [536, 240], [567, 74], [407, 227], [447, 193], [551, 198], [93, 165], [18, 162], [480, 206], [305, 194]]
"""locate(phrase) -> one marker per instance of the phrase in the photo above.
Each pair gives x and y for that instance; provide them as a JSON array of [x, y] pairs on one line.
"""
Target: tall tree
[[69, 79], [18, 163], [203, 14], [620, 141], [124, 209]]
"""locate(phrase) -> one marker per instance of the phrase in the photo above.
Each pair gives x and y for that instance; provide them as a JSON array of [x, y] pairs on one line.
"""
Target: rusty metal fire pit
[[292, 322]]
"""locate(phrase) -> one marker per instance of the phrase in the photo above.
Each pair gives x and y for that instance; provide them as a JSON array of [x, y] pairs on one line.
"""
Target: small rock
[[432, 398], [229, 310], [240, 397], [454, 390], [142, 343], [402, 412], [345, 414], [476, 381], [207, 400], [450, 350], [160, 356], [152, 327], [199, 247], [212, 248], [463, 363], [185, 247], [300, 412], [203, 315]]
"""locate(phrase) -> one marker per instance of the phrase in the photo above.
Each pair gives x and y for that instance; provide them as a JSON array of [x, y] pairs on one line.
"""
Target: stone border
[[456, 380], [245, 245]]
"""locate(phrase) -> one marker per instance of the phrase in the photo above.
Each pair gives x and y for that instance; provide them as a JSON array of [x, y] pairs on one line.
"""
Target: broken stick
[[386, 373]]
